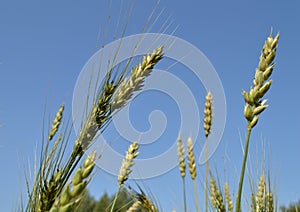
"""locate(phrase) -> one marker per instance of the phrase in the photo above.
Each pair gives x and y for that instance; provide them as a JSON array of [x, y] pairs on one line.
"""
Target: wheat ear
[[254, 102], [56, 122], [216, 196], [228, 198], [125, 169], [182, 166], [192, 169], [207, 130], [146, 203], [135, 81], [72, 193], [134, 207]]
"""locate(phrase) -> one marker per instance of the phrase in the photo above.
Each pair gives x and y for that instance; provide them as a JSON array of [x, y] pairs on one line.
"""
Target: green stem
[[206, 175], [184, 194], [196, 196], [115, 199], [239, 194]]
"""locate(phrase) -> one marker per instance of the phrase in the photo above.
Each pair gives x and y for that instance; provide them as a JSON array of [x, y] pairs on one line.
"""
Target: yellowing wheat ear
[[228, 198], [192, 169], [182, 166], [208, 115], [134, 207], [216, 196]]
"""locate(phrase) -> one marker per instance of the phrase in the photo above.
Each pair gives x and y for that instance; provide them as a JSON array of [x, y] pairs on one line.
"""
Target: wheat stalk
[[254, 102]]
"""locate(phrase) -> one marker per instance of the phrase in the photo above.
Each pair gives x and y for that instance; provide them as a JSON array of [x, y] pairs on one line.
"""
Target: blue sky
[[44, 46]]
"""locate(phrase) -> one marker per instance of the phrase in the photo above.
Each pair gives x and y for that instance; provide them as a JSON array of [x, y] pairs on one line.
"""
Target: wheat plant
[[62, 177], [52, 189]]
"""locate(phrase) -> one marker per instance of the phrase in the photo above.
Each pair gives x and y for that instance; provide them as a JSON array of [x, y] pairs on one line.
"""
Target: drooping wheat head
[[135, 81]]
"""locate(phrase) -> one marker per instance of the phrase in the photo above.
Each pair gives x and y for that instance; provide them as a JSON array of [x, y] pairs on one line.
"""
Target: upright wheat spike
[[254, 102], [261, 194], [127, 163], [192, 169], [270, 202], [207, 128], [208, 114], [181, 158], [228, 198], [56, 122], [125, 169], [216, 196]]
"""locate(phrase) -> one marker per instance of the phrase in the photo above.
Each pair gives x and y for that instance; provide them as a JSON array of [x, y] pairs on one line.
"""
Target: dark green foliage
[[89, 204], [293, 207], [103, 203]]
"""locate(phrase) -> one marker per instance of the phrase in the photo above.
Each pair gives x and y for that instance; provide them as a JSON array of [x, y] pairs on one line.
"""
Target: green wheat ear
[[56, 122], [255, 103], [125, 169], [71, 195]]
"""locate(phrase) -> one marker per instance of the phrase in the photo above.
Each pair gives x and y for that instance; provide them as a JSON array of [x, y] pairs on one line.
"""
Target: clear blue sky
[[44, 45]]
